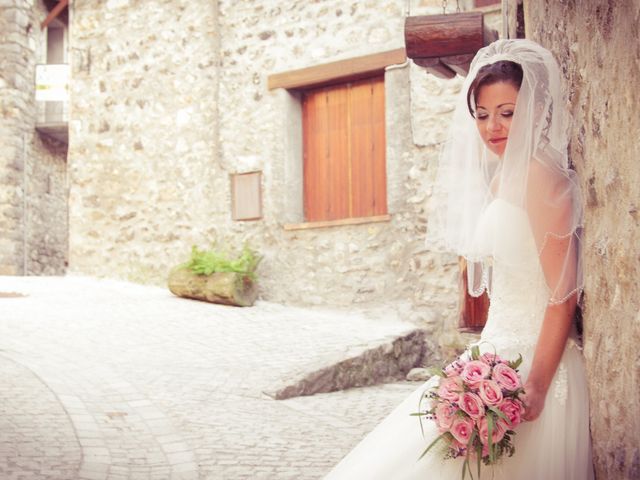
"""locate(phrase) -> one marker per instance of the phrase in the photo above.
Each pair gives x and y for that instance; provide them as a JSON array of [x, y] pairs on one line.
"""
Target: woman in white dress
[[509, 203]]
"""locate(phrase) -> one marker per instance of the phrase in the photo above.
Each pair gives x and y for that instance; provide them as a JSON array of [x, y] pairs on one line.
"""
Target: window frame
[[291, 84]]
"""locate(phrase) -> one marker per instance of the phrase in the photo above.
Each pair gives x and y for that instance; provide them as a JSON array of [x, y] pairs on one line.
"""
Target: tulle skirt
[[556, 446]]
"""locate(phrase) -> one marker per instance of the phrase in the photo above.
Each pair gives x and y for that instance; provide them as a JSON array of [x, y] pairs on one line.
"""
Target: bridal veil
[[533, 174]]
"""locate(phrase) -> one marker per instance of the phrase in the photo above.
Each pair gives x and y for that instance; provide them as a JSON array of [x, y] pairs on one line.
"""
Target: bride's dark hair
[[501, 71]]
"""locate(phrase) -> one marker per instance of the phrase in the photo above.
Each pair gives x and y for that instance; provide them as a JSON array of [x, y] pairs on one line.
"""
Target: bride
[[510, 204]]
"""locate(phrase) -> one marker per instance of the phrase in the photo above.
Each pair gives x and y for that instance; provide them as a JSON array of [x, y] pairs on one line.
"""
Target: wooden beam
[[443, 35], [54, 13], [353, 68]]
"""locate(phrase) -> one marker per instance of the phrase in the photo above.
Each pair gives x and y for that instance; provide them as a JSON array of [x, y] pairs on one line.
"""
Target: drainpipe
[[397, 66]]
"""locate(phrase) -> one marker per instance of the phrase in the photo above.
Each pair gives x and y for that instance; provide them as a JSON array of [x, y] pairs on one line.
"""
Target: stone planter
[[227, 288]]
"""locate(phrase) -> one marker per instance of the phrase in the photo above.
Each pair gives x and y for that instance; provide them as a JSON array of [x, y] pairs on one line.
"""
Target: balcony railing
[[52, 99]]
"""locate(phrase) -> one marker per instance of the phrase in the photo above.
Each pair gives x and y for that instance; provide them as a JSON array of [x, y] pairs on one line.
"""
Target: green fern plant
[[206, 262]]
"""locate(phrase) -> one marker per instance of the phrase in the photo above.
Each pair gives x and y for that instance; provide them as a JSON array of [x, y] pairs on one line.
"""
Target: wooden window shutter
[[344, 151]]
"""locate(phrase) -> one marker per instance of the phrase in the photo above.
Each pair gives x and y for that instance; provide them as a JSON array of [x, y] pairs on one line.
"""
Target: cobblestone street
[[109, 380]]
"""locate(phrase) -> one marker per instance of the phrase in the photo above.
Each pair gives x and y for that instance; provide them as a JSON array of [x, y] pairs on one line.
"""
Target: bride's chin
[[498, 153]]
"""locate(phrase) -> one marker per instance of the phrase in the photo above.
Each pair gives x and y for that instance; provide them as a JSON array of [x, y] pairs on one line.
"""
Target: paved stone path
[[109, 380]]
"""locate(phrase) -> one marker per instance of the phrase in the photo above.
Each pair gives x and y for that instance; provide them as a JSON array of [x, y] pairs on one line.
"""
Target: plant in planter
[[212, 276]]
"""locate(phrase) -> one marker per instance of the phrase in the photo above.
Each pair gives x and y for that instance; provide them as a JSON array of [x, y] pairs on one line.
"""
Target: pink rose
[[444, 415], [513, 409], [474, 371], [496, 435], [506, 377], [490, 392], [491, 359], [472, 405], [461, 429], [450, 389]]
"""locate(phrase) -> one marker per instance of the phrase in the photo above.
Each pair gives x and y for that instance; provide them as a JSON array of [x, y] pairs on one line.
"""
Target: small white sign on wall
[[52, 83]]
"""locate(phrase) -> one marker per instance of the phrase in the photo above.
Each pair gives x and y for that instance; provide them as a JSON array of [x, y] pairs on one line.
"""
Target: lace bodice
[[519, 293]]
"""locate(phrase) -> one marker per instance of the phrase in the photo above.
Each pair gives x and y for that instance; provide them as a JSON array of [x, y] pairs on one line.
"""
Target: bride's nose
[[494, 125]]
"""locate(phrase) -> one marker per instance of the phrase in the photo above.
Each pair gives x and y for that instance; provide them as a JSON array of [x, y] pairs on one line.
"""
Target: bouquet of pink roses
[[476, 405]]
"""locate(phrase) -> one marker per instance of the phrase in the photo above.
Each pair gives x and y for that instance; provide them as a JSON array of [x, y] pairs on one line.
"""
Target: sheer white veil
[[533, 175]]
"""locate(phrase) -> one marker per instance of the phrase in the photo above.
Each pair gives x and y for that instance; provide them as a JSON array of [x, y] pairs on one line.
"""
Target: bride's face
[[495, 104]]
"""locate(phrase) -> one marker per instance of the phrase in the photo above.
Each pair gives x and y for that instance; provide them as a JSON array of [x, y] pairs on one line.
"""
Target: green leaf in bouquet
[[461, 414], [472, 439], [440, 437], [432, 410], [436, 372], [475, 352], [500, 414], [491, 426], [516, 363], [466, 467]]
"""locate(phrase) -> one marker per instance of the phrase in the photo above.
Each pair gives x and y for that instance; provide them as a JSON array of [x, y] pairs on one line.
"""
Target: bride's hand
[[533, 401]]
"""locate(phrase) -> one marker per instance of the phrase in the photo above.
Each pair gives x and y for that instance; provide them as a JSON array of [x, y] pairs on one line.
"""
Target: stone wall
[[144, 178], [15, 82], [33, 239], [597, 46], [46, 221]]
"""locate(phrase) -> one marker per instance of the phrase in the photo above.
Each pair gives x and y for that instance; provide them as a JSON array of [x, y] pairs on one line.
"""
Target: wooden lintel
[[435, 67], [341, 70], [54, 13], [444, 35]]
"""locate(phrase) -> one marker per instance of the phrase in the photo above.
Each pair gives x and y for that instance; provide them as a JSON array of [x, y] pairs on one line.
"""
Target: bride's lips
[[494, 141]]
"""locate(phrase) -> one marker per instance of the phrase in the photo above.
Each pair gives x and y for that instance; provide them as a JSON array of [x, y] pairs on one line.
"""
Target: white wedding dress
[[556, 446]]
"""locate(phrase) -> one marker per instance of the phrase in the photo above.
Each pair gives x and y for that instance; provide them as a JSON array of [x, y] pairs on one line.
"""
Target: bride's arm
[[551, 342], [550, 210]]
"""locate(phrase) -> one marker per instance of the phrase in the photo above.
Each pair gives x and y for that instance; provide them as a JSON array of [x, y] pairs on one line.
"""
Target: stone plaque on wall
[[246, 196]]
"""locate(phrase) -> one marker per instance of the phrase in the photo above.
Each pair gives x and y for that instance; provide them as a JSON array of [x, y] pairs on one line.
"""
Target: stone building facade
[[162, 117], [597, 46], [33, 175]]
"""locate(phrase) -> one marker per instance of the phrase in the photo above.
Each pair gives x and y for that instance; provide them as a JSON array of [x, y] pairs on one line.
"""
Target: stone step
[[388, 360]]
